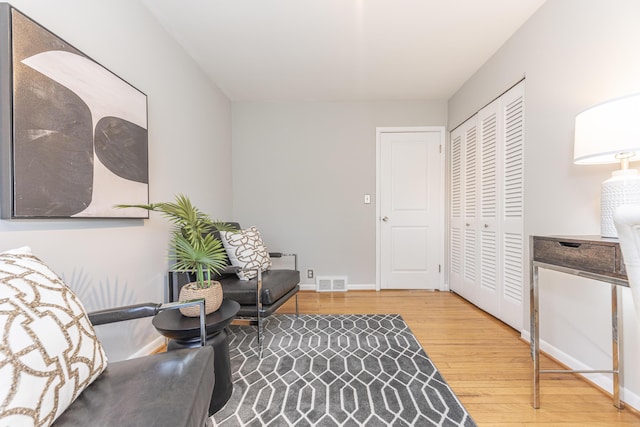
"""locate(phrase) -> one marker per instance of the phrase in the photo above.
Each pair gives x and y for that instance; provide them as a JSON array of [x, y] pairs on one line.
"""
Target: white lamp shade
[[607, 129]]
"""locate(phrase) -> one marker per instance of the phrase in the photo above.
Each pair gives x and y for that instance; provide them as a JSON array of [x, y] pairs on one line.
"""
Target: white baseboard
[[354, 287], [149, 348], [350, 287], [604, 381], [361, 287]]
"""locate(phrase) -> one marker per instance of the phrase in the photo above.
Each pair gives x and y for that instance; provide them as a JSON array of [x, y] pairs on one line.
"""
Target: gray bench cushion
[[275, 285], [169, 389]]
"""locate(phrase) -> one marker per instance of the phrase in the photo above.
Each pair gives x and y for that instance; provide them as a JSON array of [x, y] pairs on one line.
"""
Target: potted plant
[[194, 249]]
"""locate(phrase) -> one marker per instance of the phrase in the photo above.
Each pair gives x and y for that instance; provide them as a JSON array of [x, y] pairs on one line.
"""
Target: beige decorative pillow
[[246, 249], [49, 352]]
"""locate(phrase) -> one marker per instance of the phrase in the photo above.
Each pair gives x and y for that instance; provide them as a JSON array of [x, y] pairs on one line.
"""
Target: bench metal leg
[[260, 336], [258, 312]]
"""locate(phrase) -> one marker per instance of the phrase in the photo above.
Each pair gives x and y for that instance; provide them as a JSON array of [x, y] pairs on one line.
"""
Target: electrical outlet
[[310, 274]]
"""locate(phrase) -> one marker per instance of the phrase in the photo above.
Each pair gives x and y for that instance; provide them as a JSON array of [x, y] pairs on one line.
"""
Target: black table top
[[172, 324]]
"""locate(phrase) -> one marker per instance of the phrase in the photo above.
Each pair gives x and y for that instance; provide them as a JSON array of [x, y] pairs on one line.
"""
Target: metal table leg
[[535, 344], [615, 352], [535, 336]]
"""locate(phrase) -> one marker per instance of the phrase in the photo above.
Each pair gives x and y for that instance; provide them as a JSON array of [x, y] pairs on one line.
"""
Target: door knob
[[385, 218]]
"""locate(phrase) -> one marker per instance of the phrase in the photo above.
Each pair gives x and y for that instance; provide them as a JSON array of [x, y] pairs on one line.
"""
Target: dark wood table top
[[592, 254], [172, 324]]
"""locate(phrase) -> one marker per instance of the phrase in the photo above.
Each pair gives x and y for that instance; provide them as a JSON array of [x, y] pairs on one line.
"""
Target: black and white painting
[[79, 141]]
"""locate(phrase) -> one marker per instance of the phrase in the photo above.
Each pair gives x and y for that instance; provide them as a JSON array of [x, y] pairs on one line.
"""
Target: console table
[[593, 257]]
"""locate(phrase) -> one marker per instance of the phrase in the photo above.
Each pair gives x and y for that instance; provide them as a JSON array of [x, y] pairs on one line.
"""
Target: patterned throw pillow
[[246, 249], [49, 352]]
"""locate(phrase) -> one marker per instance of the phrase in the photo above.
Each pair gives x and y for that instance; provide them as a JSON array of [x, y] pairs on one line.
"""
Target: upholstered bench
[[258, 297], [277, 287]]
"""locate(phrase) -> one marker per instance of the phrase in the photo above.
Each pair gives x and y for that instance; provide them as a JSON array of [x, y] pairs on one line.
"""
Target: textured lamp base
[[623, 188]]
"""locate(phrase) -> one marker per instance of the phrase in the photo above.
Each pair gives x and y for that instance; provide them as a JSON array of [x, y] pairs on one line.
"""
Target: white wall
[[112, 262], [300, 171], [574, 53]]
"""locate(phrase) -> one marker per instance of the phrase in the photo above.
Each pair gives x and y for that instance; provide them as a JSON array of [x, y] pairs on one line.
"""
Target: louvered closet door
[[470, 236], [489, 126], [456, 254], [487, 207], [512, 227], [463, 239]]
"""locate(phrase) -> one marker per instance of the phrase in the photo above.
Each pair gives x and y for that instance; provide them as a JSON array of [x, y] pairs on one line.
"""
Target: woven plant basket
[[212, 298]]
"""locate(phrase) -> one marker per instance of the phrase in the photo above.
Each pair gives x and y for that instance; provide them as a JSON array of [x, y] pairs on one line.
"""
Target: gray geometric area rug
[[336, 370]]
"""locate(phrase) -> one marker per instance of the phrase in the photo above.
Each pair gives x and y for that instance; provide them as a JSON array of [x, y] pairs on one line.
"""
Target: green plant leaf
[[193, 246]]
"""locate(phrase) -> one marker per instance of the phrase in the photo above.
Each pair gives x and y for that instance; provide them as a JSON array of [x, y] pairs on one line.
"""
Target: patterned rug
[[336, 370]]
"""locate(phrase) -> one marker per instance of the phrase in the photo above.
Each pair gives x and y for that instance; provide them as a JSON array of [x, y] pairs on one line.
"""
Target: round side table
[[184, 332]]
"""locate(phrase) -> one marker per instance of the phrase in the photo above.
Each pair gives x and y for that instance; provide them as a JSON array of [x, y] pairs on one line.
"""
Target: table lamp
[[609, 133]]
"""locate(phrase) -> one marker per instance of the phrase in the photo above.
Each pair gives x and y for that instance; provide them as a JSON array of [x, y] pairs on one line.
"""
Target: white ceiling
[[341, 50]]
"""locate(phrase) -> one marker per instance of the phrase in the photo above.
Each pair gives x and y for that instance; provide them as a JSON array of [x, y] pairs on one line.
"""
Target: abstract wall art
[[73, 135]]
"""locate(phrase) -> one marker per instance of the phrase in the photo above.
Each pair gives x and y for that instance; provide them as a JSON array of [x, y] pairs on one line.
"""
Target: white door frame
[[379, 132]]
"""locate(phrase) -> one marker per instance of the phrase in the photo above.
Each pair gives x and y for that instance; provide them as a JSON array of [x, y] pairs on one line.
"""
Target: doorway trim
[[379, 131]]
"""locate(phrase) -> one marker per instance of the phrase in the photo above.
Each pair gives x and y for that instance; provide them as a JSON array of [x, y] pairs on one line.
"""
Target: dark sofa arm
[[147, 309], [120, 314]]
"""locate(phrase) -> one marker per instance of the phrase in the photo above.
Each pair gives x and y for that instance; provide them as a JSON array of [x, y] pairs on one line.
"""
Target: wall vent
[[331, 283]]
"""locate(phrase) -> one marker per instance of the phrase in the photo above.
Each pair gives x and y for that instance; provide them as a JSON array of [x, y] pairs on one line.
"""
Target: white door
[[411, 209]]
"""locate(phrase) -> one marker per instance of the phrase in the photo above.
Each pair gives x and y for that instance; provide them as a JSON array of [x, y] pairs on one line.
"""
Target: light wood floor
[[483, 360]]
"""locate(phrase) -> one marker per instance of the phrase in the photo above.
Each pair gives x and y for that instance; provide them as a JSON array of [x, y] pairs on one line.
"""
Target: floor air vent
[[331, 283]]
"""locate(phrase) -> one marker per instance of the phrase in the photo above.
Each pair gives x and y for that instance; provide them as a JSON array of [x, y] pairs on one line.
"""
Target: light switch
[[367, 199]]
